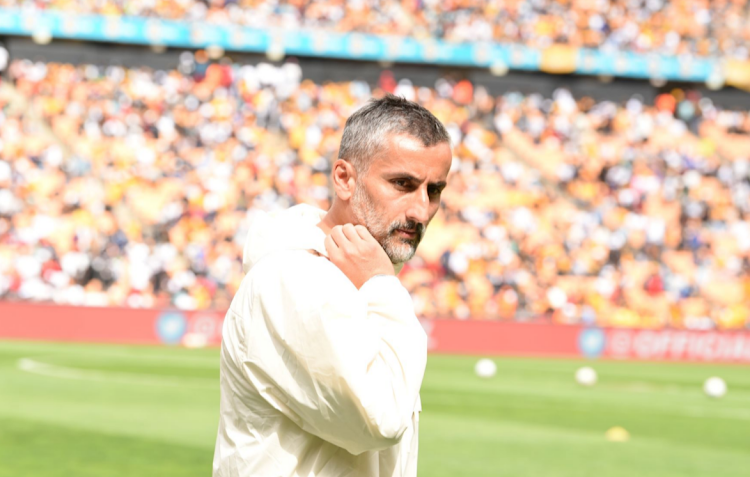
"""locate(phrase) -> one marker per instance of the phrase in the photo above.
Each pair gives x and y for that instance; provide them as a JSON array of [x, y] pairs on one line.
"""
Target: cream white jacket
[[318, 379]]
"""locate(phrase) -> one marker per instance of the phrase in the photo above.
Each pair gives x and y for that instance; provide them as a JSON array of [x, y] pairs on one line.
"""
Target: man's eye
[[400, 182]]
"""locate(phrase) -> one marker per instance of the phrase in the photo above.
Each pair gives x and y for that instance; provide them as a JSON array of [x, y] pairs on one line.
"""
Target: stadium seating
[[668, 27], [133, 187]]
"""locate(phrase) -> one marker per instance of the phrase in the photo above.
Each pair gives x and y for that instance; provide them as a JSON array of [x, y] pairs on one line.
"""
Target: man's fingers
[[350, 232], [343, 244], [363, 233], [356, 253], [337, 234], [330, 245]]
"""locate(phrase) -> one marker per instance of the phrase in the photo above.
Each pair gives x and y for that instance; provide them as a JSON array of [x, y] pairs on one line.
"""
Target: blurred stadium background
[[598, 207]]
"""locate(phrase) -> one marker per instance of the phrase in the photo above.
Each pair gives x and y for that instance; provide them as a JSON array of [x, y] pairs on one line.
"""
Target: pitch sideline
[[55, 371]]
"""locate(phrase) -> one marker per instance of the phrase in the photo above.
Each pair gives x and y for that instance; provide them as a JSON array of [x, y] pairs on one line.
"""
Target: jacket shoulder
[[298, 271]]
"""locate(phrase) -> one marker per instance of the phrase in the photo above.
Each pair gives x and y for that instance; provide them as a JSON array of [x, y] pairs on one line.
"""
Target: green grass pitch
[[95, 410]]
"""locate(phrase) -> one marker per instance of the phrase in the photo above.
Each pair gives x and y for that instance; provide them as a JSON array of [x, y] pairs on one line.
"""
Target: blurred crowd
[[674, 27], [133, 187]]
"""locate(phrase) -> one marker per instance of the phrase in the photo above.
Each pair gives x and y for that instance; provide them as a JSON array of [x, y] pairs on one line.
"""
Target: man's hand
[[357, 253]]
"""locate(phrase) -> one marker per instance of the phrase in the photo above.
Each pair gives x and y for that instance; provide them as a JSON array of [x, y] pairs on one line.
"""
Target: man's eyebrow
[[409, 177], [404, 176]]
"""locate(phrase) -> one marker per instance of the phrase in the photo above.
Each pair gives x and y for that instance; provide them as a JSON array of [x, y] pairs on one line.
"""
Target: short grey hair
[[366, 130]]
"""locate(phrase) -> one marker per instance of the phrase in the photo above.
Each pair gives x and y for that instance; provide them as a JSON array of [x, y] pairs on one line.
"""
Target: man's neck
[[334, 217]]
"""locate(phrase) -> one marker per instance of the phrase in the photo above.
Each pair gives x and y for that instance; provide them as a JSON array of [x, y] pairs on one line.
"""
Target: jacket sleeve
[[346, 365]]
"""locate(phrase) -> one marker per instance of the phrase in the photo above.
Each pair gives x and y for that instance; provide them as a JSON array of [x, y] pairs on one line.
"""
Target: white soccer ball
[[715, 387], [485, 368], [194, 340], [586, 376]]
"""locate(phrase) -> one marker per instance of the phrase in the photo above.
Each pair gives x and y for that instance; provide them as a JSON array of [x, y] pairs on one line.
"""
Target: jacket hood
[[291, 229]]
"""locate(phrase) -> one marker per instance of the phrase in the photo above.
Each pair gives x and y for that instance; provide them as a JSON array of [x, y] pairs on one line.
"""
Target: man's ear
[[344, 179]]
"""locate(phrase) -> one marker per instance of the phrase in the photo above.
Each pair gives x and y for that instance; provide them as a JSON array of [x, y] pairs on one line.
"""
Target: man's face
[[400, 193]]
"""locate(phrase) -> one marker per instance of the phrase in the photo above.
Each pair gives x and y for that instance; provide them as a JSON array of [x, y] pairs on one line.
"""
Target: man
[[322, 356]]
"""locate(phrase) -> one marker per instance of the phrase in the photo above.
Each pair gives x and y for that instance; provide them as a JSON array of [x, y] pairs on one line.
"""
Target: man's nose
[[419, 211]]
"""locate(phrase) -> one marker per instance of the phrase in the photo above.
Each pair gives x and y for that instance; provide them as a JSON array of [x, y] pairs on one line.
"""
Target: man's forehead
[[409, 154]]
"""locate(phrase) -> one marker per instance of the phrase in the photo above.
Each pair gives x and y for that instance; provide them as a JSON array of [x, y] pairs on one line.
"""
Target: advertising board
[[23, 321]]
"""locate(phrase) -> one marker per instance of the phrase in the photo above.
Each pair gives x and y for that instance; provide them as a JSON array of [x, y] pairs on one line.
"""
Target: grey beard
[[398, 249]]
